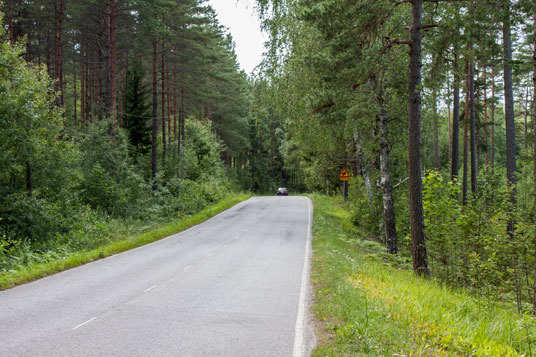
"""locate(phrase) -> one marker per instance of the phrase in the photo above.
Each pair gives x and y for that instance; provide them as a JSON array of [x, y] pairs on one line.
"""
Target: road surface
[[235, 285]]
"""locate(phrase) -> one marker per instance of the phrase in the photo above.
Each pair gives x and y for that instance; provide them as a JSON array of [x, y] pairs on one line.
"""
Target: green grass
[[38, 270], [367, 303]]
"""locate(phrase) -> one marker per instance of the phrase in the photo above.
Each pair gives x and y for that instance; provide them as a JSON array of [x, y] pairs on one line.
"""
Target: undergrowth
[[369, 303]]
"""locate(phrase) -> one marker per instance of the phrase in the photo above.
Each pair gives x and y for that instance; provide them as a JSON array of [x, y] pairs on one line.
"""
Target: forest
[[118, 115], [430, 106]]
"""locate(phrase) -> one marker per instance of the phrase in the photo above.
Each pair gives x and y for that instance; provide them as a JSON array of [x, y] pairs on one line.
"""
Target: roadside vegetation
[[430, 106], [110, 137], [72, 194], [27, 264], [132, 119], [368, 302]]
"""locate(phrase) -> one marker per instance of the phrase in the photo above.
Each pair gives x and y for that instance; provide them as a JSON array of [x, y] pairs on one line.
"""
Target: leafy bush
[[108, 181], [364, 212], [441, 214], [201, 152], [469, 245]]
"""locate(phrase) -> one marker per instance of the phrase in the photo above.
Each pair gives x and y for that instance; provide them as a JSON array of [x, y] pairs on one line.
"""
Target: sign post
[[344, 176]]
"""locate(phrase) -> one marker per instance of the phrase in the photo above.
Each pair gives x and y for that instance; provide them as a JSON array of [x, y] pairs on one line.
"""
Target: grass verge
[[39, 270], [367, 303]]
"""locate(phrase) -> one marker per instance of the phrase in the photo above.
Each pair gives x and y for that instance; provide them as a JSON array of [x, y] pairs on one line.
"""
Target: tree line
[[89, 47], [401, 90], [118, 115]]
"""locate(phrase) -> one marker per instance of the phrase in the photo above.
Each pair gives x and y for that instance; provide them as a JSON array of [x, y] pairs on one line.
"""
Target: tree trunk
[[89, 92], [486, 156], [449, 120], [58, 75], [169, 109], [92, 86], [180, 134], [123, 80], [525, 115], [465, 125], [175, 104], [534, 142], [107, 59], [60, 54], [163, 97], [126, 71], [455, 122], [99, 92], [182, 115], [436, 136], [49, 44], [472, 115], [387, 194], [509, 111], [154, 136], [418, 239], [492, 139], [82, 92], [113, 59]]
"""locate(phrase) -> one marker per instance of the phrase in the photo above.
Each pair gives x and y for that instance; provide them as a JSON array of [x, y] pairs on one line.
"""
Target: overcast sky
[[240, 17]]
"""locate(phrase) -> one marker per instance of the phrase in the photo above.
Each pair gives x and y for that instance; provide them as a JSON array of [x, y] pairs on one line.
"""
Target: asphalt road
[[235, 285]]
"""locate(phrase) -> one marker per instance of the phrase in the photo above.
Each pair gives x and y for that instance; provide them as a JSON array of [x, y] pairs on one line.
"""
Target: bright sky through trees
[[240, 17]]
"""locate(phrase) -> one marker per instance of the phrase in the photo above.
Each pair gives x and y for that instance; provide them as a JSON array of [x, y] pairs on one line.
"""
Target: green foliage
[[109, 182], [30, 218], [367, 303], [441, 214], [29, 121], [109, 198], [259, 156], [266, 168], [469, 245], [136, 111], [66, 189], [364, 214], [202, 152], [35, 165], [21, 262]]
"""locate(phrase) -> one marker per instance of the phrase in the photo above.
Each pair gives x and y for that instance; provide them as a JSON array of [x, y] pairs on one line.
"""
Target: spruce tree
[[136, 110]]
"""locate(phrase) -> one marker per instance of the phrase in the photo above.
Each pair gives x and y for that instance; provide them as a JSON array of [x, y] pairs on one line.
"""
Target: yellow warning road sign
[[344, 175]]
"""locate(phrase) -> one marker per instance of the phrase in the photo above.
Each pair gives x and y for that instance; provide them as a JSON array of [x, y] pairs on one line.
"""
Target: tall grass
[[368, 303]]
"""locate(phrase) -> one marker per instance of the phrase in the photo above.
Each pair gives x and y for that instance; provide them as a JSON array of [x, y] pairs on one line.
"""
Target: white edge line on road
[[188, 267], [149, 289], [225, 246], [83, 323], [299, 346]]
